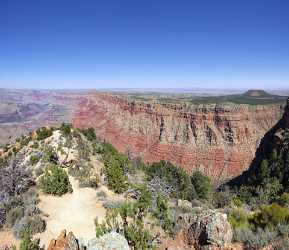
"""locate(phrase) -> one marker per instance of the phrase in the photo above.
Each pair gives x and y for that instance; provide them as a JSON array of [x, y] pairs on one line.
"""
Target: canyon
[[214, 134], [218, 139]]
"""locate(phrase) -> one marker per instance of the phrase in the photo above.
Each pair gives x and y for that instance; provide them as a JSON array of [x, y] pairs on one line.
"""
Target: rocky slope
[[218, 139], [274, 150]]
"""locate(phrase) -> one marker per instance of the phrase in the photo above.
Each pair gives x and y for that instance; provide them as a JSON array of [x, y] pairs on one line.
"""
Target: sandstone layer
[[218, 139]]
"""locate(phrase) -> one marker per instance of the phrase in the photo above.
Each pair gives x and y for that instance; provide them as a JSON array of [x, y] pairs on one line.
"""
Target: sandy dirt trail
[[7, 239], [74, 212]]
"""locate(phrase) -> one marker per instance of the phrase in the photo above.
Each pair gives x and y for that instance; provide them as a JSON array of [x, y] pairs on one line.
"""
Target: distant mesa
[[256, 93]]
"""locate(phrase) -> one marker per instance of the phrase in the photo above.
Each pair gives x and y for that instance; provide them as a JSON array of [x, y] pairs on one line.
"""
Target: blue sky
[[144, 44]]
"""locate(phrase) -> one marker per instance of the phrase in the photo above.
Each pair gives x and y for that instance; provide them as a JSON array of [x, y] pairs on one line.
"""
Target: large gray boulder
[[109, 241], [206, 229]]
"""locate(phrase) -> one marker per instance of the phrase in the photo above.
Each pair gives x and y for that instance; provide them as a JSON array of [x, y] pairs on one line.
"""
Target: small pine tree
[[202, 185], [55, 181]]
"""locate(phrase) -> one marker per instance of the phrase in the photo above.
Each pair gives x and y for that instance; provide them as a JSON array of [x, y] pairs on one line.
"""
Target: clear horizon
[[144, 45]]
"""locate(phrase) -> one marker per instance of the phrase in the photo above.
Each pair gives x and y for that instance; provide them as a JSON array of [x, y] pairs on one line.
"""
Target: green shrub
[[50, 155], [65, 129], [14, 215], [43, 133], [144, 200], [239, 219], [237, 202], [89, 134], [162, 214], [116, 178], [27, 243], [36, 225], [137, 236], [270, 216], [254, 240], [55, 181], [128, 220], [283, 199], [173, 176], [34, 159], [222, 199], [202, 186]]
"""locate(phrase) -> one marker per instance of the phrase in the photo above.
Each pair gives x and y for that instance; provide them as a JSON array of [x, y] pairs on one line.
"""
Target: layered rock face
[[220, 140]]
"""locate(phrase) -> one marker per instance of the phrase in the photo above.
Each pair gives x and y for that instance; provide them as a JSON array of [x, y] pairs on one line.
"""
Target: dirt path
[[74, 212], [7, 239]]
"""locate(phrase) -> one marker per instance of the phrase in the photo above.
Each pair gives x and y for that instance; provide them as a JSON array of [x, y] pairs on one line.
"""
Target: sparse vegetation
[[55, 181], [65, 129], [34, 159], [132, 221], [27, 243], [202, 186], [89, 134], [176, 179], [43, 133]]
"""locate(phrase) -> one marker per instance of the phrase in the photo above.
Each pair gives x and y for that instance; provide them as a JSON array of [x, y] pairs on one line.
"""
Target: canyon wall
[[218, 139]]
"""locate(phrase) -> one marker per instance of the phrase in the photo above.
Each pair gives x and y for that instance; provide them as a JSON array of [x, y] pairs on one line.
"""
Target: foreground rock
[[64, 242], [205, 230], [109, 241]]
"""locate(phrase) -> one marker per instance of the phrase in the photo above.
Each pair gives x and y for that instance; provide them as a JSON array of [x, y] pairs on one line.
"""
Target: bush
[[89, 134], [127, 221], [36, 225], [14, 215], [202, 186], [110, 204], [101, 194], [162, 214], [283, 199], [239, 219], [34, 159], [222, 199], [27, 243], [65, 129], [270, 216], [116, 179], [43, 133], [254, 240], [55, 181], [50, 155], [175, 177], [33, 224]]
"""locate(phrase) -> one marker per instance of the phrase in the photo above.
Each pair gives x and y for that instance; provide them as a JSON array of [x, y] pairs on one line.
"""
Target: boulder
[[207, 229], [109, 241], [64, 242]]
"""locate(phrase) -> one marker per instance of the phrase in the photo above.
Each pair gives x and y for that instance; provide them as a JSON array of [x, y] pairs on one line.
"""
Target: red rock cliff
[[220, 140]]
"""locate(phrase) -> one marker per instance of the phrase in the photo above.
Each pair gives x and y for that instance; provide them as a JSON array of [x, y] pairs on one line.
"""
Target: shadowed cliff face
[[275, 139], [220, 140]]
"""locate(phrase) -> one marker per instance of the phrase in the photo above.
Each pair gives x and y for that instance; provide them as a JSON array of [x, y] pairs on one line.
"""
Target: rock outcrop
[[206, 229], [218, 139], [108, 241], [203, 230], [64, 242]]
